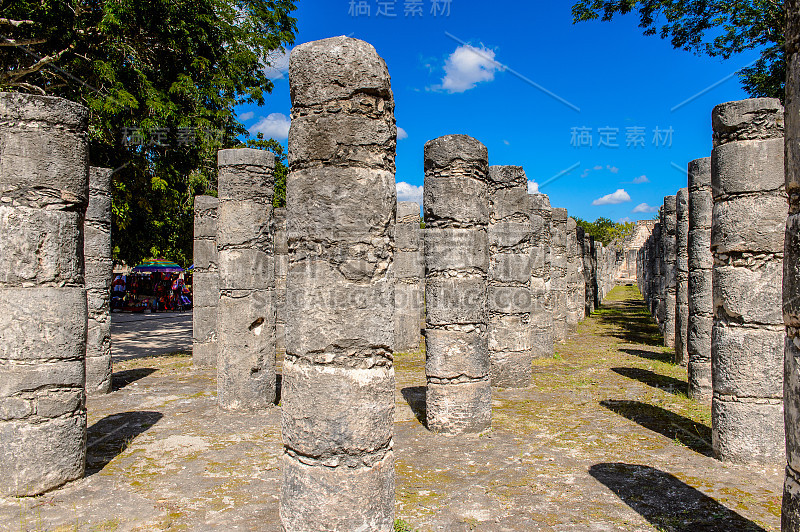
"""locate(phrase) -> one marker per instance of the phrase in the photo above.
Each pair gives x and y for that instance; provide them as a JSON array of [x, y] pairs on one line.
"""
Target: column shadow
[[416, 396], [656, 380], [668, 503], [110, 436], [650, 355], [632, 322], [695, 436], [121, 379]]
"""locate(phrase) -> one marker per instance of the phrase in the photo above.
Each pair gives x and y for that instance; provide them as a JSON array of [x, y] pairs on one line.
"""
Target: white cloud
[[644, 208], [533, 187], [401, 133], [468, 66], [278, 64], [625, 220], [612, 169], [244, 117], [597, 168], [620, 196], [274, 126], [406, 192], [641, 180], [507, 143]]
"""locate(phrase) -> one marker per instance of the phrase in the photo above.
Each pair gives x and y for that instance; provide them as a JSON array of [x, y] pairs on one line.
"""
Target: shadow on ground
[[693, 435], [666, 502], [415, 396], [632, 322], [659, 356], [662, 382], [110, 436], [122, 379]]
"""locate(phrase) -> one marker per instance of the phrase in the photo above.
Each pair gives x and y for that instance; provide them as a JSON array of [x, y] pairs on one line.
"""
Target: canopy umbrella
[[157, 265]]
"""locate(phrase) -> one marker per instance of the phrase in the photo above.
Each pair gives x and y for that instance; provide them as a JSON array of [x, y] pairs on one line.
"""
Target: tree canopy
[[605, 231], [717, 28], [161, 79]]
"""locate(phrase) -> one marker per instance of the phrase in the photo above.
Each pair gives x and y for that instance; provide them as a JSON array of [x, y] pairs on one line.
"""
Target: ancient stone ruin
[[682, 277], [281, 268], [459, 396], [790, 514], [701, 305], [747, 241], [338, 373], [205, 282], [98, 273], [669, 259], [246, 313], [409, 271], [541, 321], [509, 292], [558, 272], [44, 187]]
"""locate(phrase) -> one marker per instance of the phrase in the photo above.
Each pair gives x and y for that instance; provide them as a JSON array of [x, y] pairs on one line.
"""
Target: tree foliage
[[161, 79], [717, 28], [605, 231]]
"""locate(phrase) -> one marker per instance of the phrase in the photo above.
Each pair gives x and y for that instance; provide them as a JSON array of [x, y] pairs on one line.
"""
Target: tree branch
[[41, 63], [15, 23], [26, 42]]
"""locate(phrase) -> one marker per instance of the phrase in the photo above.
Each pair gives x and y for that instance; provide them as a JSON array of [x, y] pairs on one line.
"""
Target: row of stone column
[[712, 272]]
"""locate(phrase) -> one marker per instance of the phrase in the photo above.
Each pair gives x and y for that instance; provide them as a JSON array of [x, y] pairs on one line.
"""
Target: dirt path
[[604, 440]]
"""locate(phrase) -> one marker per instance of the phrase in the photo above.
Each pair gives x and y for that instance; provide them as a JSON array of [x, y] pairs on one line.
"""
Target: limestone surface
[[456, 203], [541, 214], [44, 192], [205, 282], [747, 243], [558, 272], [682, 278], [409, 272], [338, 373]]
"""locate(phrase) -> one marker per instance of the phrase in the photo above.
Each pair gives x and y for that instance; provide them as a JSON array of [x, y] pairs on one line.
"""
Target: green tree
[[717, 28], [161, 79], [606, 231]]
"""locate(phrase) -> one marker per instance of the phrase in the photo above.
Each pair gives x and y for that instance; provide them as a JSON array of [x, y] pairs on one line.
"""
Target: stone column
[[588, 274], [541, 215], [246, 313], [669, 258], [790, 516], [747, 236], [281, 268], [655, 278], [572, 275], [99, 271], [409, 272], [510, 235], [44, 190], [338, 373], [456, 206], [682, 278], [580, 300], [558, 273], [701, 306], [205, 282]]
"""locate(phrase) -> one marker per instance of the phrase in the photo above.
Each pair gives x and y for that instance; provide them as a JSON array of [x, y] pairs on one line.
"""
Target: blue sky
[[535, 89]]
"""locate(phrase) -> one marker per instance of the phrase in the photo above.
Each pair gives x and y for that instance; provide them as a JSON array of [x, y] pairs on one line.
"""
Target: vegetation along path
[[604, 440]]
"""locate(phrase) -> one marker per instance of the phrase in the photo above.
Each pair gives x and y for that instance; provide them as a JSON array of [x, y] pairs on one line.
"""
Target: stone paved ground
[[146, 335], [605, 440]]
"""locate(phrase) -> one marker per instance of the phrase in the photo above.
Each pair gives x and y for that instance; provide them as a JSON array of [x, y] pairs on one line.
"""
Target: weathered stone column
[[510, 235], [747, 236], [205, 282], [558, 272], [246, 313], [669, 257], [656, 277], [701, 304], [682, 278], [580, 299], [456, 206], [541, 215], [338, 373], [409, 272], [98, 273], [44, 190], [572, 275], [588, 275], [790, 516], [281, 268]]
